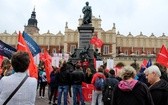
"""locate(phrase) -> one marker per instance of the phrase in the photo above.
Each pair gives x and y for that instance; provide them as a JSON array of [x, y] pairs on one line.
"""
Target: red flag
[[1, 59], [144, 63], [42, 58], [48, 66], [98, 43], [162, 57], [22, 46], [93, 40]]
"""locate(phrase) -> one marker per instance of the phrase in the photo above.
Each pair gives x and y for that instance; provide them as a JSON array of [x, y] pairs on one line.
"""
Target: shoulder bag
[[17, 88]]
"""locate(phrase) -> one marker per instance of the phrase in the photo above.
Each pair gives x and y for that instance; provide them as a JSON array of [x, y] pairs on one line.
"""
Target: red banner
[[1, 59], [48, 65], [93, 40], [87, 91], [162, 57], [96, 41], [22, 46], [42, 57]]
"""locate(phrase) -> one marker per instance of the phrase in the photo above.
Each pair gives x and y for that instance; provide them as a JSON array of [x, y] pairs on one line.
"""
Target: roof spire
[[114, 26], [32, 21], [118, 33], [66, 24], [34, 9], [129, 33]]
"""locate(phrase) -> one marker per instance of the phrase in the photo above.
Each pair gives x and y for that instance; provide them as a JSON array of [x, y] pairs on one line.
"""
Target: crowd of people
[[128, 86], [131, 86]]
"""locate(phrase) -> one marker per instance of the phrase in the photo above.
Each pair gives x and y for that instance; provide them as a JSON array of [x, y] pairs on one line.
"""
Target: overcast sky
[[135, 16]]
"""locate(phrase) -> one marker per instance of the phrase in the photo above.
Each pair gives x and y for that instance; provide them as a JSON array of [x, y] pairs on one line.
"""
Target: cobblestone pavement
[[41, 101], [44, 101]]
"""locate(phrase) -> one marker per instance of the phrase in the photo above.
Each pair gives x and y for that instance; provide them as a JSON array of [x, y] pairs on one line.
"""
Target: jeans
[[63, 89], [97, 98], [77, 90]]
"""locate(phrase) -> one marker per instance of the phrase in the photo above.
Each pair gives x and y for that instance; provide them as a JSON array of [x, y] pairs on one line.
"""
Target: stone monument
[[85, 50]]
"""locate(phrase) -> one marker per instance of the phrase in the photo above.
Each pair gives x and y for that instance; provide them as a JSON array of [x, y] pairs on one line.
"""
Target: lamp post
[[135, 60], [135, 65]]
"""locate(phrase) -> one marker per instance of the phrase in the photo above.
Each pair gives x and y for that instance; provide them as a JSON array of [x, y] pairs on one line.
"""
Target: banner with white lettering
[[33, 46], [37, 59], [6, 50]]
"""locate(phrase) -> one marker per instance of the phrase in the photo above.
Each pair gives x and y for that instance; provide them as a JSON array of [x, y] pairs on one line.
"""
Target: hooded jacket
[[159, 92], [131, 92]]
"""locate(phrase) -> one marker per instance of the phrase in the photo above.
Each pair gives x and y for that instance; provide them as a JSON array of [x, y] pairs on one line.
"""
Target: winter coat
[[77, 77], [109, 85], [131, 92], [159, 92], [63, 77], [88, 78], [53, 80]]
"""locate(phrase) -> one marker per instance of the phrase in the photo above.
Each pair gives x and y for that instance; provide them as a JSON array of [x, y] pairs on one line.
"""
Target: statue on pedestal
[[87, 11]]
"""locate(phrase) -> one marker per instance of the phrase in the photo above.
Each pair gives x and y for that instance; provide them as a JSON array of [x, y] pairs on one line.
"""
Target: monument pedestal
[[86, 32], [84, 46]]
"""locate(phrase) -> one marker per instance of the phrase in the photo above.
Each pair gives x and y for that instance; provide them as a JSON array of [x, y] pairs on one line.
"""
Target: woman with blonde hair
[[130, 91], [88, 76]]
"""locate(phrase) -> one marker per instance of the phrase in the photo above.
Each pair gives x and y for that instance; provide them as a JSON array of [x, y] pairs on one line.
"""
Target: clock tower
[[32, 28]]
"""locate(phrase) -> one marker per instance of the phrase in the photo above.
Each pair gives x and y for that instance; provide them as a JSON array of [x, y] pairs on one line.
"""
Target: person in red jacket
[[97, 94]]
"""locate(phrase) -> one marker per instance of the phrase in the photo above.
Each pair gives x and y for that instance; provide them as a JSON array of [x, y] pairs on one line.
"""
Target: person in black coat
[[88, 76], [159, 87], [77, 78], [63, 78], [53, 85], [130, 91], [109, 85]]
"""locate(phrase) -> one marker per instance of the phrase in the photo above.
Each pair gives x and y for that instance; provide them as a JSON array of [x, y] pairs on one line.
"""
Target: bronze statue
[[84, 53], [87, 11], [74, 53], [97, 55]]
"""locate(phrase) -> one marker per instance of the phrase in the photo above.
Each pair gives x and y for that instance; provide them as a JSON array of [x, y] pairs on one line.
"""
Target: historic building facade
[[126, 48]]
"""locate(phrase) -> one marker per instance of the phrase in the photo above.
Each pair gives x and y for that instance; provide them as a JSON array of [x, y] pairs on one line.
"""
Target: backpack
[[99, 83], [108, 91]]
